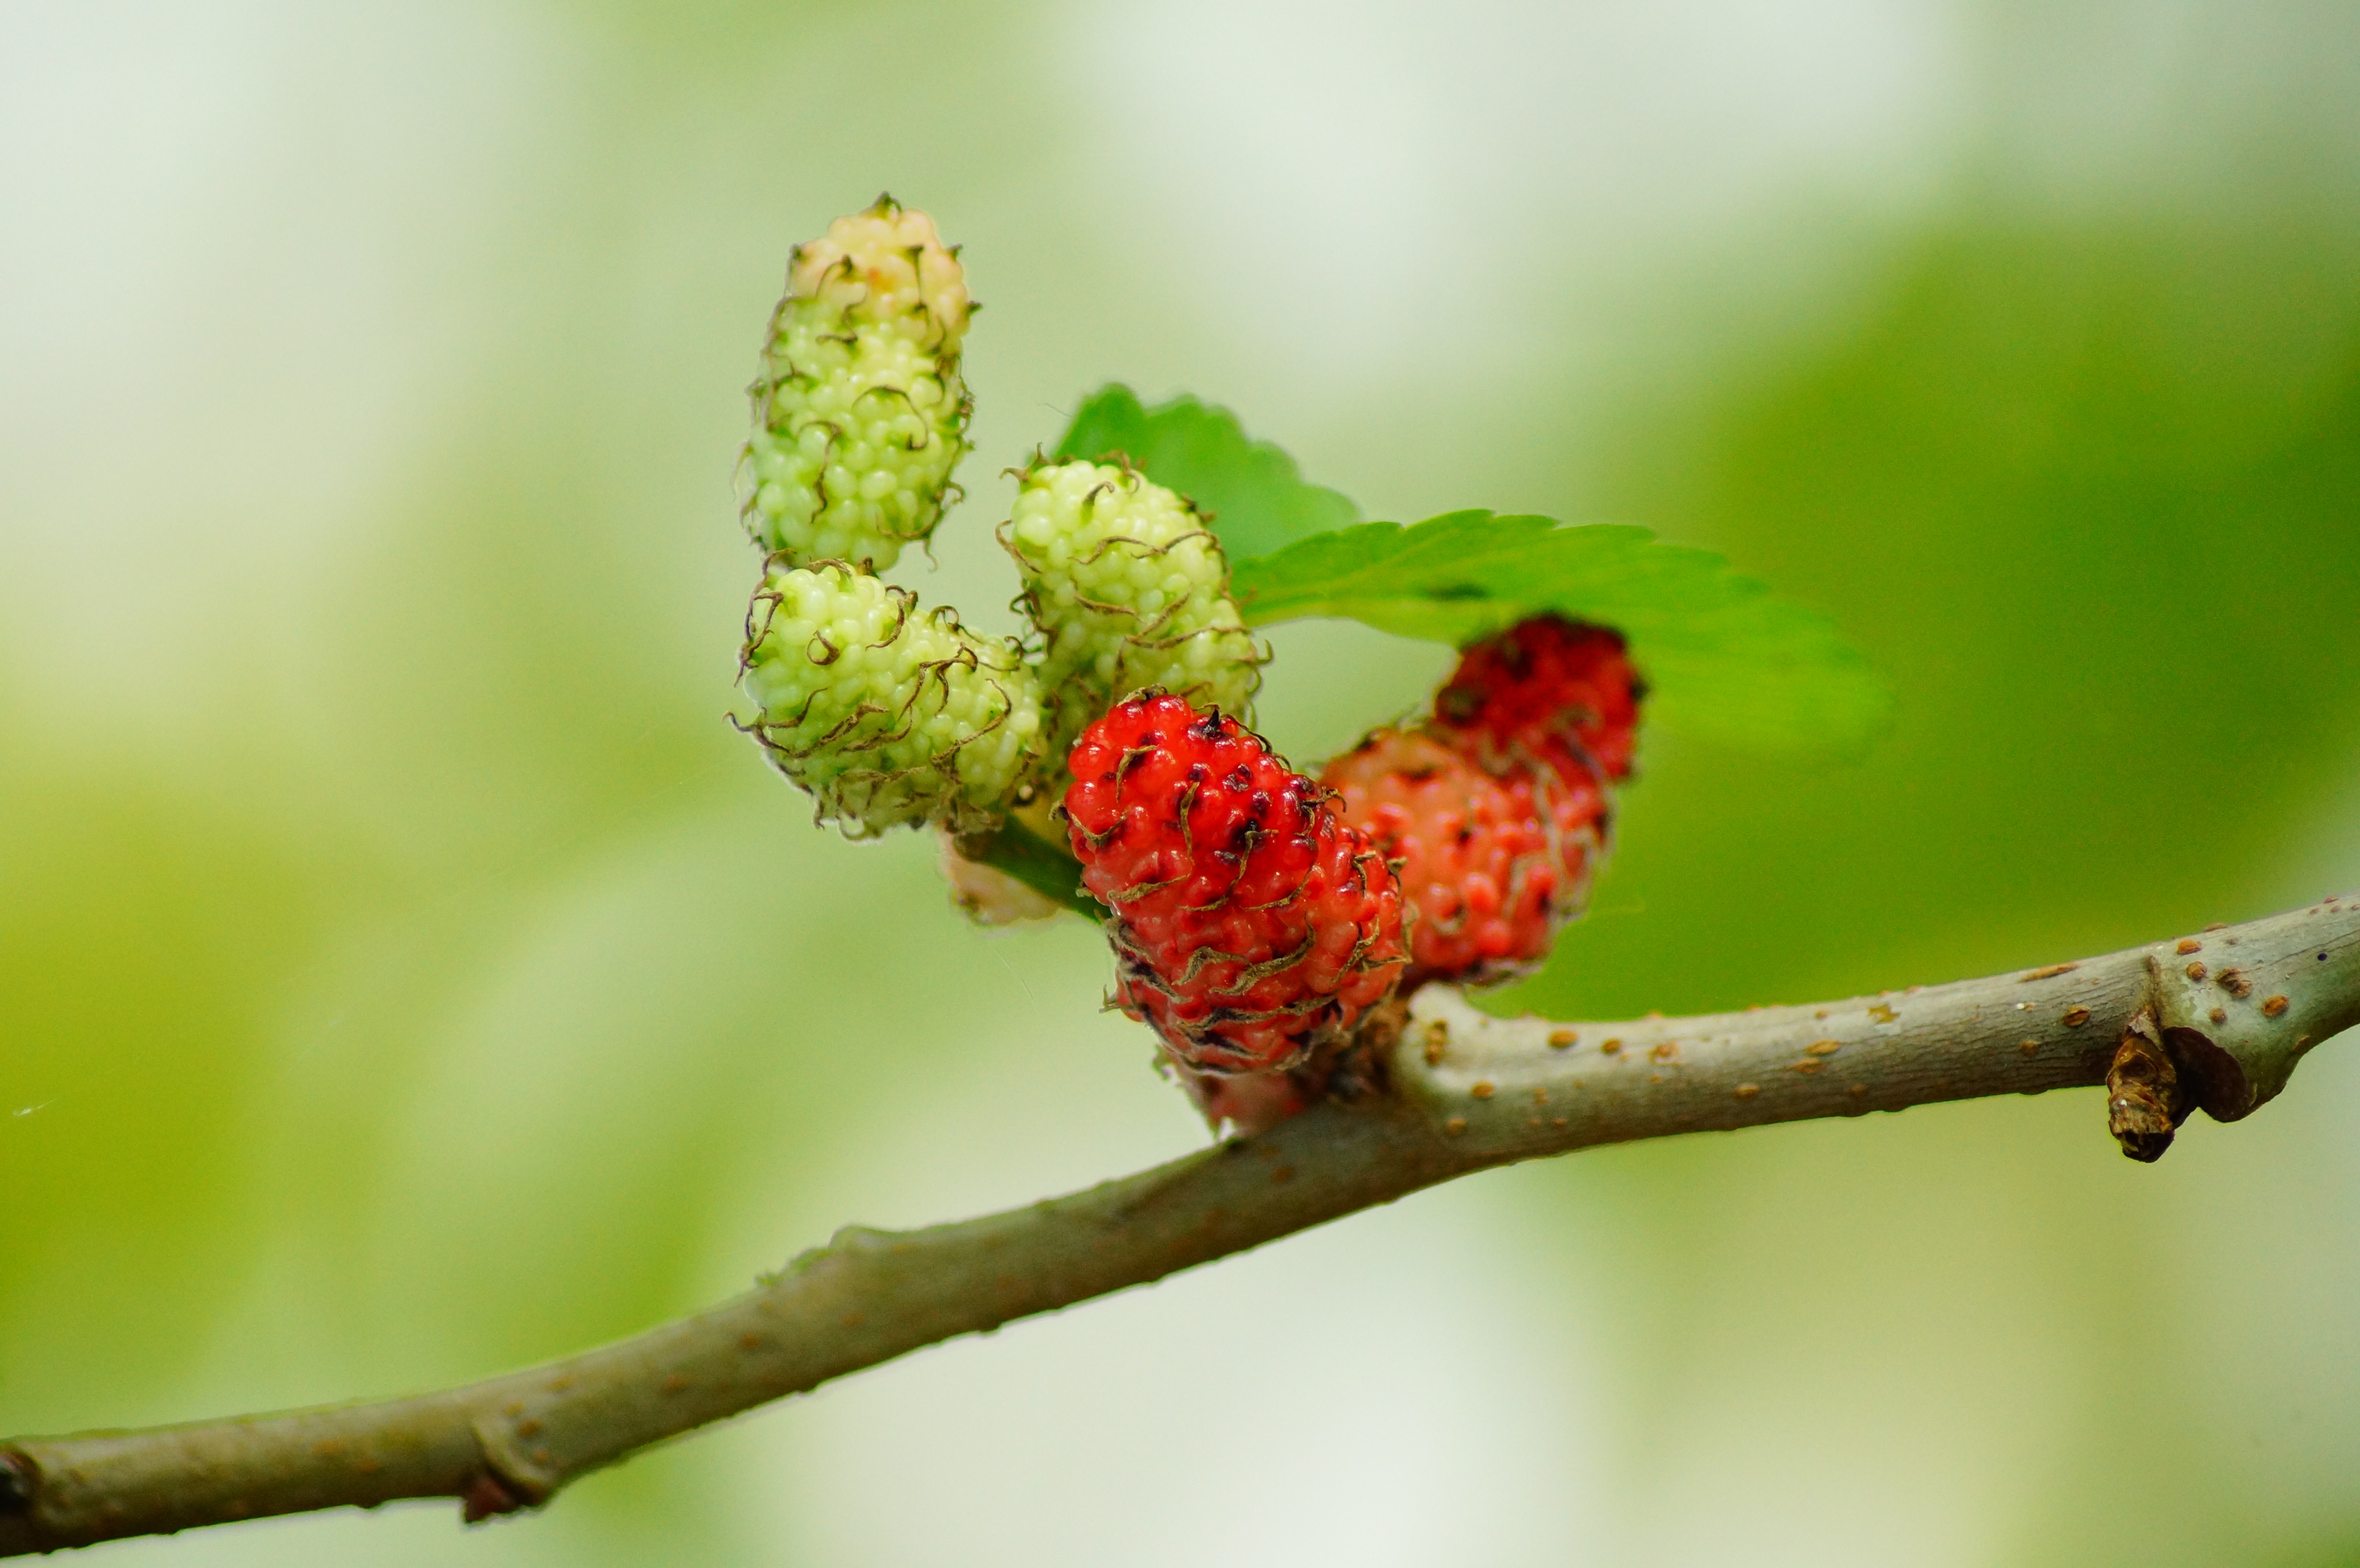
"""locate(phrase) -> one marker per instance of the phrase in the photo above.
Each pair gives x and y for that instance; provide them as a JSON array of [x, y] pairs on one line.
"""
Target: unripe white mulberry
[[1131, 590], [885, 713], [860, 414]]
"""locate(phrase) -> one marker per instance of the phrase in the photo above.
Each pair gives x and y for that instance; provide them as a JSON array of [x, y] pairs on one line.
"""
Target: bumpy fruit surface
[[1131, 590], [860, 411], [1250, 924], [1550, 690], [1492, 862], [887, 714]]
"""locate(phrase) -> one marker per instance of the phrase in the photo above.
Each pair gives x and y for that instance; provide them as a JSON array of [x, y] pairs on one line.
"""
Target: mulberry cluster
[[1497, 812], [886, 714], [1257, 916], [860, 411], [1131, 590], [1250, 923]]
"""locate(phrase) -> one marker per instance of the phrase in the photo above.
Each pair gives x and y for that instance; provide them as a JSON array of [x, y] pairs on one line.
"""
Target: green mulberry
[[860, 413], [885, 713], [1131, 590]]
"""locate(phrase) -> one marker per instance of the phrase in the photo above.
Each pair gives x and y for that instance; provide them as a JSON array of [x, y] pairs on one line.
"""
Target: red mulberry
[[1250, 924], [1550, 690], [1491, 862]]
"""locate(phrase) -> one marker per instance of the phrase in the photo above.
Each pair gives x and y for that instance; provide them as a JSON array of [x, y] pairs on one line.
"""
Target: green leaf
[[1258, 501], [1722, 654]]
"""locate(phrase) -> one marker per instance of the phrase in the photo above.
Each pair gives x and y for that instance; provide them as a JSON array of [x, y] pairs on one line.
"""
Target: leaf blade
[[1723, 655]]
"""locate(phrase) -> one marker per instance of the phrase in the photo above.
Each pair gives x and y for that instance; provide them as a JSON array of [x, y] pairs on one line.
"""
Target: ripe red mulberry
[[1250, 923], [1492, 862], [1550, 690]]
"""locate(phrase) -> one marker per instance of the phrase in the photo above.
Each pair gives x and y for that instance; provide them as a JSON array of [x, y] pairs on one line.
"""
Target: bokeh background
[[405, 975]]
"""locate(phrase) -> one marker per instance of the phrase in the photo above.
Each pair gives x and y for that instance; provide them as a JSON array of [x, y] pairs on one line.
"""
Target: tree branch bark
[[2233, 1007]]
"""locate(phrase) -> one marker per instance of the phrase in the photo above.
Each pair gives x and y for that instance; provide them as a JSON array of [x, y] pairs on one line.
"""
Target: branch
[[2217, 1020]]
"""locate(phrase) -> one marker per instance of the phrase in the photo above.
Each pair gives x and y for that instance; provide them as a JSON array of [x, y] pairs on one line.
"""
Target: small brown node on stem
[[2030, 1047], [2233, 981], [2188, 945], [2274, 1007], [1665, 1050], [1482, 1089], [2219, 1015], [2076, 1016], [1883, 1014], [1609, 1046], [2218, 925], [2196, 970], [1563, 1040], [1438, 1039], [1746, 1091], [1823, 1047], [1455, 1126], [486, 1496], [2051, 972], [2145, 1099]]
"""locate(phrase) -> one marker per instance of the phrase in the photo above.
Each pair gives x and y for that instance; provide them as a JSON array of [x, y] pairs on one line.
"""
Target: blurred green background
[[405, 973]]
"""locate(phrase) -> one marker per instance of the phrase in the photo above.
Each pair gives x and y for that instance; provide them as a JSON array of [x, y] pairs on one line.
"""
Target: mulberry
[[1492, 862], [860, 413], [1250, 923], [888, 716], [1546, 689], [1131, 590]]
